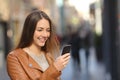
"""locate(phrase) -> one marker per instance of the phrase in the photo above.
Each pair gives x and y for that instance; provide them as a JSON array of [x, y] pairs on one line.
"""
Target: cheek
[[35, 35], [48, 34]]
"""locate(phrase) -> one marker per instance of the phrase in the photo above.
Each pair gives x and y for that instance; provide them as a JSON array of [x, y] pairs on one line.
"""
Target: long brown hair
[[52, 44]]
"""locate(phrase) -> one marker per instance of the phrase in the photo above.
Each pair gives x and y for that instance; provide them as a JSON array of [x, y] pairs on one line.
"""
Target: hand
[[61, 62]]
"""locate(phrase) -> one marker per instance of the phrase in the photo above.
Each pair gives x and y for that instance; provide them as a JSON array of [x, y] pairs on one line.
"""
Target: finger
[[66, 62], [67, 58], [65, 55]]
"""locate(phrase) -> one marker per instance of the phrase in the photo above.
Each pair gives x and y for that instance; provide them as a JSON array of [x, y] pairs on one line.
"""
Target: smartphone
[[66, 49]]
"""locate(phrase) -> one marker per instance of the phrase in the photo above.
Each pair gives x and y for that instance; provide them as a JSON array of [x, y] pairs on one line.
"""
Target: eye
[[48, 30], [39, 30]]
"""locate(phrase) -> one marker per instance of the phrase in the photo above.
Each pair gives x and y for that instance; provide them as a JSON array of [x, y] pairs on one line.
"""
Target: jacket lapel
[[29, 61], [33, 64]]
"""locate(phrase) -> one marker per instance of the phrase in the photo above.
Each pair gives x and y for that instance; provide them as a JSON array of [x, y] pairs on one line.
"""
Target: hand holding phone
[[61, 61], [66, 49]]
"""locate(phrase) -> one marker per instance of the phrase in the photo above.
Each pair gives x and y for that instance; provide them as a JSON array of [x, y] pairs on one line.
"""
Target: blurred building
[[13, 13], [4, 18]]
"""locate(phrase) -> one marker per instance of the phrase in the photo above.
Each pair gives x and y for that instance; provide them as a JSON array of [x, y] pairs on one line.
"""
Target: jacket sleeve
[[51, 74], [14, 69]]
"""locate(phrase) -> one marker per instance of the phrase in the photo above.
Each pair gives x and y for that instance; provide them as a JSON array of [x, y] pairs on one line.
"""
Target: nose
[[45, 34]]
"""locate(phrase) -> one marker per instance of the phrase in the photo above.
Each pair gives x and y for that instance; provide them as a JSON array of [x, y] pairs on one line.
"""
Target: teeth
[[41, 38]]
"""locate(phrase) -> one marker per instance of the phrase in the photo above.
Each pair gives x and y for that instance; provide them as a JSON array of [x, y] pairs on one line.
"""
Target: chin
[[42, 45]]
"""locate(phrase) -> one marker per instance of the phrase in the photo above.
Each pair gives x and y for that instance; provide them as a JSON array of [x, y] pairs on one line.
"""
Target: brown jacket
[[21, 66]]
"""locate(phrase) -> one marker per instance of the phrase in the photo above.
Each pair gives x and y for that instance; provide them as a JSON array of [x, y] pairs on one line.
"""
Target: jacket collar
[[31, 62]]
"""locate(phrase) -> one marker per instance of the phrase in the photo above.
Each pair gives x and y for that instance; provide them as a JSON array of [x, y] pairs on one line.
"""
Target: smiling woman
[[33, 58]]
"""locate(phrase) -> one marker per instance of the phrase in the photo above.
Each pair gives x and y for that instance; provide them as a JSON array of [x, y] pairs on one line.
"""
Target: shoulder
[[12, 56], [16, 53], [50, 56]]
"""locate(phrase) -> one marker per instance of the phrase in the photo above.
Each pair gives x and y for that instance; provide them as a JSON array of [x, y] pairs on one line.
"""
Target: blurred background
[[92, 27]]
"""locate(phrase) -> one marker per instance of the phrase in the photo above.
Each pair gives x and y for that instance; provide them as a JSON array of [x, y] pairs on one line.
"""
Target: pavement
[[3, 72], [88, 70]]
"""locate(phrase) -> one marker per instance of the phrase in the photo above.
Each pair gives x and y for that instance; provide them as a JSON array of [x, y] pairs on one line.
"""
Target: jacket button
[[30, 65]]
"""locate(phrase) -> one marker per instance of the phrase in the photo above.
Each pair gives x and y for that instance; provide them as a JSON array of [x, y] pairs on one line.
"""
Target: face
[[42, 33]]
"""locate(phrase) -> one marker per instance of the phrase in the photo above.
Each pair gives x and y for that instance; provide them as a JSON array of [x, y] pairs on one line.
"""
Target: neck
[[35, 50]]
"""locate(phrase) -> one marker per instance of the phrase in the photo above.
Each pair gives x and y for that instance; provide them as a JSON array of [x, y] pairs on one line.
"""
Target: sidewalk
[[94, 71], [3, 72]]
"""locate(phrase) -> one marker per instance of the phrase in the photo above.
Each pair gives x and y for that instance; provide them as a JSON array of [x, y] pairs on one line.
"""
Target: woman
[[34, 57]]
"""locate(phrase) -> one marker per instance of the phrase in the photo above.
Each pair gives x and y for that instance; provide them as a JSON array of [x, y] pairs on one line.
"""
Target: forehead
[[43, 23]]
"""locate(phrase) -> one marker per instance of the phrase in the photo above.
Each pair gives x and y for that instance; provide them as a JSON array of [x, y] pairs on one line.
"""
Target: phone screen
[[66, 49]]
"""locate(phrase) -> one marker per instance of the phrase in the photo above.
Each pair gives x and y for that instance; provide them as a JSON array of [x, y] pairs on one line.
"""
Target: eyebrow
[[38, 27], [41, 28]]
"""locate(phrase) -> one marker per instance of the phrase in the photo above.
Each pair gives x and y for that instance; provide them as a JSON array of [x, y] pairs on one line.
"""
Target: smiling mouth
[[42, 39]]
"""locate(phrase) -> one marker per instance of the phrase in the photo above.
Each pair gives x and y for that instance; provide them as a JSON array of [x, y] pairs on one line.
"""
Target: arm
[[15, 71]]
